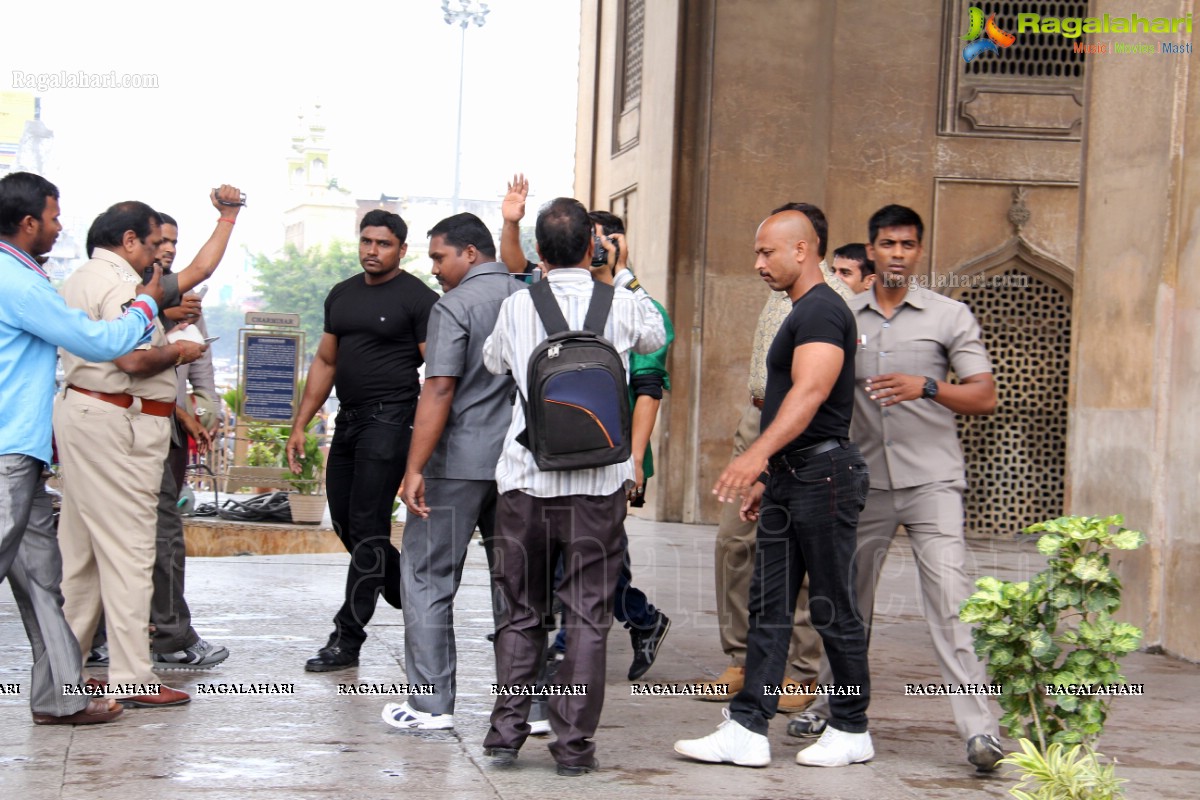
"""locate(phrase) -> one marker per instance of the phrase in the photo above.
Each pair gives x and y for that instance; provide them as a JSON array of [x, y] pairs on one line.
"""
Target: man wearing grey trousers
[[34, 320], [450, 481]]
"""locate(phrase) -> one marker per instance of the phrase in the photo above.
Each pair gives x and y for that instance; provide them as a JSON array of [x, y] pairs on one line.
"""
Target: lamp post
[[469, 13]]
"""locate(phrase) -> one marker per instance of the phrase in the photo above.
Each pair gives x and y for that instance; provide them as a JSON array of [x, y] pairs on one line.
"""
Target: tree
[[297, 283]]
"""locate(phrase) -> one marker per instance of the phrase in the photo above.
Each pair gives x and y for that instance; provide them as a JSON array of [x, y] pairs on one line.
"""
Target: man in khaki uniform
[[113, 427], [904, 419], [736, 537]]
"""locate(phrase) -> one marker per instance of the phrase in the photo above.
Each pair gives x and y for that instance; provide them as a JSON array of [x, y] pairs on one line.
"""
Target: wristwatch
[[930, 391]]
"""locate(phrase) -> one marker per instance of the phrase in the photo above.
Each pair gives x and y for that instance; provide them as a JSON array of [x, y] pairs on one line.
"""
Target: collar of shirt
[[119, 264], [487, 268], [914, 297], [24, 258], [569, 275]]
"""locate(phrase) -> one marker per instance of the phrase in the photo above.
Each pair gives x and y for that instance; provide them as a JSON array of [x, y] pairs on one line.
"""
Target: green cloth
[[652, 364]]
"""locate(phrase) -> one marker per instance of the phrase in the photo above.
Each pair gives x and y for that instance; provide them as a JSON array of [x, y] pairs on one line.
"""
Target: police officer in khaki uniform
[[113, 427]]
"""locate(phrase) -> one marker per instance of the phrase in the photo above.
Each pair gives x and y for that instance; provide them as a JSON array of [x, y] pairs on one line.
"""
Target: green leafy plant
[[308, 481], [1056, 630], [235, 399], [1062, 774], [267, 443]]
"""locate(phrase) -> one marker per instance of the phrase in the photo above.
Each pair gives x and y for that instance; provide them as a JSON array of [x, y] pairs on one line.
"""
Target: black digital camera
[[599, 254]]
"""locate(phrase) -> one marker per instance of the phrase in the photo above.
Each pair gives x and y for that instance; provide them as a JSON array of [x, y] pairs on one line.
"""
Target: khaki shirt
[[775, 311], [914, 442], [102, 287]]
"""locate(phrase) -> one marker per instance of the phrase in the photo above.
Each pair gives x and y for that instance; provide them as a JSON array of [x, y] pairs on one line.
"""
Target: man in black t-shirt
[[373, 344], [807, 504]]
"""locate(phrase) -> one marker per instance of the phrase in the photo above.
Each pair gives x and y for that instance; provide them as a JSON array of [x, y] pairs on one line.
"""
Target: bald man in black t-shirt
[[373, 344], [805, 482]]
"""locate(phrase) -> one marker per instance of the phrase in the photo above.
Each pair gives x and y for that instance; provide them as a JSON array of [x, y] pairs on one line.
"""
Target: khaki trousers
[[734, 568], [112, 464]]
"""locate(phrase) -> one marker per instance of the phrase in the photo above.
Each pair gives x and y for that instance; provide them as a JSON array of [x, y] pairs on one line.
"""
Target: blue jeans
[[366, 464], [807, 525]]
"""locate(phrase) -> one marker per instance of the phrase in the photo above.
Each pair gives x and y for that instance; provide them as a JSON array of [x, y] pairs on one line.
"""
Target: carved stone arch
[[1032, 260], [1016, 457]]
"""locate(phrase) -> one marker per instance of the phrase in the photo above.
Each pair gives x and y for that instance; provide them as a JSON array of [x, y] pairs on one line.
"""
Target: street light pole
[[469, 12]]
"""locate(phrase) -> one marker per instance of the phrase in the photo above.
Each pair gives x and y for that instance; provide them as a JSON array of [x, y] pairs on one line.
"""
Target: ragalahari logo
[[996, 38]]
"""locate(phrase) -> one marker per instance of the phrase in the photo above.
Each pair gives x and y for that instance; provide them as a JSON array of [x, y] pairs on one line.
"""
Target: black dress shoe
[[646, 644], [331, 659], [575, 770]]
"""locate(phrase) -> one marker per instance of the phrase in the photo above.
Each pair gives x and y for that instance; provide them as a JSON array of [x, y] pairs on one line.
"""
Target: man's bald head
[[816, 216], [787, 248]]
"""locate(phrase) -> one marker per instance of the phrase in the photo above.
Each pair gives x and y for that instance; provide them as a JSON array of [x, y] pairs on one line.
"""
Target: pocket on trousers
[[862, 483]]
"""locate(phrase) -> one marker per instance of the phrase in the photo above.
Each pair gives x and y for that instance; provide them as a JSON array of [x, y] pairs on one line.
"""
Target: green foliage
[[297, 283], [1056, 630], [234, 399], [267, 443], [308, 481], [1062, 774]]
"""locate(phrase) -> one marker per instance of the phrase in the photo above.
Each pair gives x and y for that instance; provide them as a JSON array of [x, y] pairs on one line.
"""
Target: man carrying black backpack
[[562, 476]]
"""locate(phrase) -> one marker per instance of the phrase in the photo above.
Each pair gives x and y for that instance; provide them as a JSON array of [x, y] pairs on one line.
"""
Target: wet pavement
[[273, 612]]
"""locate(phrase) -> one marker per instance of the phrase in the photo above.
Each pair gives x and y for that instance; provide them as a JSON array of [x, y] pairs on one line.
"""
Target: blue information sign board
[[271, 362]]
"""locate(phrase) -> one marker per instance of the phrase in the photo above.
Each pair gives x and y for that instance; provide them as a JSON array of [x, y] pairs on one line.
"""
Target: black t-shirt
[[821, 315], [378, 329]]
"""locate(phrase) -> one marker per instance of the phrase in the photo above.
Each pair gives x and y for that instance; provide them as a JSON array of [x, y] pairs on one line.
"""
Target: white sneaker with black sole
[[405, 717]]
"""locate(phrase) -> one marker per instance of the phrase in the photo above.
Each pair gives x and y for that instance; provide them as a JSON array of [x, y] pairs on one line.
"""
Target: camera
[[224, 203], [599, 254]]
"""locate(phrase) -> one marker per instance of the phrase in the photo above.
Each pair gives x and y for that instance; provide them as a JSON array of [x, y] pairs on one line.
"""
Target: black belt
[[794, 459], [353, 412]]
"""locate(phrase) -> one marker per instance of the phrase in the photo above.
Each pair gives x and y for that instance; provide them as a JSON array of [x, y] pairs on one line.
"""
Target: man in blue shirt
[[34, 322]]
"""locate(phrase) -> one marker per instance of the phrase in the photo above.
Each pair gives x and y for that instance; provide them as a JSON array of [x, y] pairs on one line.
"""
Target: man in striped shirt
[[578, 513]]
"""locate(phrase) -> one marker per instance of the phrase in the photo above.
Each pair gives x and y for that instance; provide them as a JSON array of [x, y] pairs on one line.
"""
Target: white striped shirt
[[633, 324]]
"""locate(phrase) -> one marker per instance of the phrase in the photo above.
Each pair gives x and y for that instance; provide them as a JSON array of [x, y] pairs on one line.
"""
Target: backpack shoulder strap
[[598, 308], [547, 307]]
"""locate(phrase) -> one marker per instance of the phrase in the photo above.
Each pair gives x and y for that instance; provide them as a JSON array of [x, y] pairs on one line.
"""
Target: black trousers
[[366, 464], [807, 525]]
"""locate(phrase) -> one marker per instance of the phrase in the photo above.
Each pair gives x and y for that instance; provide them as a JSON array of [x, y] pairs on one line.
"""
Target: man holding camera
[[113, 430], [540, 513]]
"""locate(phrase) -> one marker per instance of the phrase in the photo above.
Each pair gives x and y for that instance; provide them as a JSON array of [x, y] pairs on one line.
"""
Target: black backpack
[[577, 412]]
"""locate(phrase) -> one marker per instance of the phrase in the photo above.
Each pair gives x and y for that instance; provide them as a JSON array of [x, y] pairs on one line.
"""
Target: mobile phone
[[203, 290], [225, 203], [210, 339], [147, 275]]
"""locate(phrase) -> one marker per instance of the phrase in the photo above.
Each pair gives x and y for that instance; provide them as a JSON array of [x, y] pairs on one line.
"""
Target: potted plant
[[306, 499], [1051, 642]]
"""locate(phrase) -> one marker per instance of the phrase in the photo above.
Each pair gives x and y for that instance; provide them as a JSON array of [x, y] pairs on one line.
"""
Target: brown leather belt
[[155, 408], [757, 402]]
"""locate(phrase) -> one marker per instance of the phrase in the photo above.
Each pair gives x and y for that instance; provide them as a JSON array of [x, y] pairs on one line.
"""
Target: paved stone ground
[[274, 611]]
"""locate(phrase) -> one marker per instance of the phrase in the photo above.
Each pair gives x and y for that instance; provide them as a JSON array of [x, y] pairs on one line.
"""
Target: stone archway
[[1016, 458]]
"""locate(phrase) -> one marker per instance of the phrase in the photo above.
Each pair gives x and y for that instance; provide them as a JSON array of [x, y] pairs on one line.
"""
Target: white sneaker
[[837, 749], [402, 715], [730, 743]]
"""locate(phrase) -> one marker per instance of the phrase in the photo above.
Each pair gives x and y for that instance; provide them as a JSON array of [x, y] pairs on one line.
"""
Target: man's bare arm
[[144, 363], [513, 211], [429, 422], [206, 261], [815, 370], [317, 387]]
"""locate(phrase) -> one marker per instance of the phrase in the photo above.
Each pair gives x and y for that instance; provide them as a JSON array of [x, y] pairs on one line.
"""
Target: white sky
[[232, 79]]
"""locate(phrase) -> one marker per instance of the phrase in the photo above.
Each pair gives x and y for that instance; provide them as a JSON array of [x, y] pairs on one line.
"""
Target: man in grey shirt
[[450, 482]]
